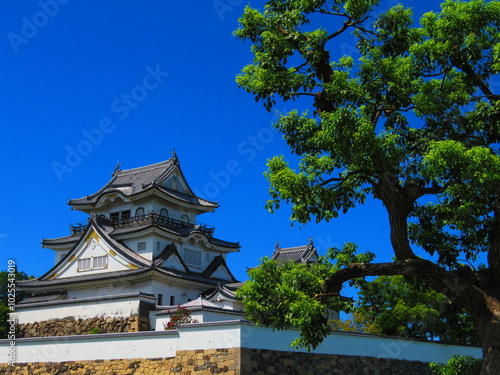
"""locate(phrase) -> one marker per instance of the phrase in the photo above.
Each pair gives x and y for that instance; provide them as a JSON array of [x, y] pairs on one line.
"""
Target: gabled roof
[[138, 266], [298, 254], [218, 262], [227, 291], [124, 230], [133, 182]]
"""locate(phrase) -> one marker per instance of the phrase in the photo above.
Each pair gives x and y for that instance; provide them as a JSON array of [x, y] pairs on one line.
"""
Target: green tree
[[4, 298], [412, 122], [290, 294], [402, 306]]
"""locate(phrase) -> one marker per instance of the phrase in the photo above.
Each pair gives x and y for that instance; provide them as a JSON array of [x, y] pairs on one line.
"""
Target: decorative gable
[[174, 262], [222, 273], [218, 270], [176, 182], [170, 258], [93, 254]]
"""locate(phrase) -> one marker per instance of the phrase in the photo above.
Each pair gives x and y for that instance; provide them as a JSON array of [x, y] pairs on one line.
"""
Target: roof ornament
[[277, 245], [174, 155], [310, 241], [117, 169]]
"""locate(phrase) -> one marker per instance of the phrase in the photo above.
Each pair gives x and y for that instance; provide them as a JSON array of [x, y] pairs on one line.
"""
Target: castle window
[[141, 246], [172, 300], [119, 215], [158, 245], [159, 299], [164, 212], [100, 262], [139, 211], [84, 264], [185, 218], [192, 257]]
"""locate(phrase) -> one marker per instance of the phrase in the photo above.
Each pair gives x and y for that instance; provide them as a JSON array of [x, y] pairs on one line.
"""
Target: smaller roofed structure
[[298, 254]]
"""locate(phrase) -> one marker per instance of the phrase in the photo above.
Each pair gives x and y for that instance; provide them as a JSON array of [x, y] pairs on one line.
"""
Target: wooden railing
[[152, 218]]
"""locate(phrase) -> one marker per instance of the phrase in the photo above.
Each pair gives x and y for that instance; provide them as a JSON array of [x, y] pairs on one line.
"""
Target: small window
[[141, 246], [84, 264], [159, 299], [207, 257], [172, 300], [125, 215], [139, 211], [192, 257], [114, 216], [164, 212], [100, 262], [185, 218], [158, 245]]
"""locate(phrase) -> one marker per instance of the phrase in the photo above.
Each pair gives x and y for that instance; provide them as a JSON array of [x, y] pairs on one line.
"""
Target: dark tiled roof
[[226, 290], [43, 298], [214, 265], [39, 283], [72, 239], [167, 253], [135, 181], [182, 232], [298, 254]]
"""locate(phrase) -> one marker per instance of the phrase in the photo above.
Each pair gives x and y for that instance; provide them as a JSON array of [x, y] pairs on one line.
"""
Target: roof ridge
[[158, 165]]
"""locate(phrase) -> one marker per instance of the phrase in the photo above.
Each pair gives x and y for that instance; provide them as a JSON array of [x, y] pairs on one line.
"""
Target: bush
[[180, 316], [457, 365]]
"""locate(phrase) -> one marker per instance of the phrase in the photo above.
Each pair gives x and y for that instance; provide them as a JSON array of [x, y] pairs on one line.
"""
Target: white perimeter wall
[[84, 310], [221, 335]]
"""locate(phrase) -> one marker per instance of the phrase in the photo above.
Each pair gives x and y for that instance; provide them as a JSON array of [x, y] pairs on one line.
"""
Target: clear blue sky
[[133, 80]]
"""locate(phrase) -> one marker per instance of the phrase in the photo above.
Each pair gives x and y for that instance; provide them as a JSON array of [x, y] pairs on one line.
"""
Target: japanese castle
[[141, 254]]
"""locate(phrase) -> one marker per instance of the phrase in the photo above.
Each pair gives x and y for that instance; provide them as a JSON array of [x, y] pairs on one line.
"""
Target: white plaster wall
[[83, 348], [198, 336], [358, 345], [199, 316], [83, 310], [110, 289]]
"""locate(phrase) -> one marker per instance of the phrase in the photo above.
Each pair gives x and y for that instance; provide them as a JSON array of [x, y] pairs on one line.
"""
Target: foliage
[[180, 315], [289, 294], [411, 121], [402, 306], [457, 365], [4, 298]]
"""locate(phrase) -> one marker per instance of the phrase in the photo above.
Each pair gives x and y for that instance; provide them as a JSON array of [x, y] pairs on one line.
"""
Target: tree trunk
[[489, 332]]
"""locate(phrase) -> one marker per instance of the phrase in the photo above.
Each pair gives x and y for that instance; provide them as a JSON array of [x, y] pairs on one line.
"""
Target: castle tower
[[142, 248]]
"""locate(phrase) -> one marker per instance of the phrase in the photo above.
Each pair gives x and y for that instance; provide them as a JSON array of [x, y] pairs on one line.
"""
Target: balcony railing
[[152, 218]]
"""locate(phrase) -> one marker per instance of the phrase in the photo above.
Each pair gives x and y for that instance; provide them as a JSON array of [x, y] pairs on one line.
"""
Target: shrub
[[180, 316], [457, 365]]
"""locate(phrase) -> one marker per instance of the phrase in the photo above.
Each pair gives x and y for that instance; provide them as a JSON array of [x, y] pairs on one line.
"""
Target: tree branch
[[450, 284]]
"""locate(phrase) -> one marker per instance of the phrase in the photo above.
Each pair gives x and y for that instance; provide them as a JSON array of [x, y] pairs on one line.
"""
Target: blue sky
[[88, 84]]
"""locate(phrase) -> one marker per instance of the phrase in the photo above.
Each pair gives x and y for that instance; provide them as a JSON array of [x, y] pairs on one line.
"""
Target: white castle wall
[[83, 309], [231, 334]]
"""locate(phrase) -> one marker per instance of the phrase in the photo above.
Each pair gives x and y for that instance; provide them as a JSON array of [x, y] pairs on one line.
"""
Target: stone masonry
[[70, 326], [233, 361]]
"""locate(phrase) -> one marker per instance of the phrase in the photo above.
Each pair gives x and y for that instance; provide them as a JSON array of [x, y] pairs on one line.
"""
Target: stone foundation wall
[[270, 362], [234, 361], [70, 326], [193, 362]]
